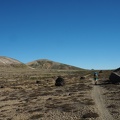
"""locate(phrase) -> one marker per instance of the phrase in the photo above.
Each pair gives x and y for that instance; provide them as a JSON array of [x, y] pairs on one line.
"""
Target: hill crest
[[7, 61], [49, 64], [11, 63]]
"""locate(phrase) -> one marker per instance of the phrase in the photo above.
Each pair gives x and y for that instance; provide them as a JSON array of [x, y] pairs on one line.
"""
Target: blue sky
[[82, 33]]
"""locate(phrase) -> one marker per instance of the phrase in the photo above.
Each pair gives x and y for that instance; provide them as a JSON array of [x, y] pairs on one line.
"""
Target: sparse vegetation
[[29, 93], [90, 115]]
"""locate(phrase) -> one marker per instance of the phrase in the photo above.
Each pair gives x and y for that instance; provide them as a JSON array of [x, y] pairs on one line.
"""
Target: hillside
[[10, 62], [48, 64]]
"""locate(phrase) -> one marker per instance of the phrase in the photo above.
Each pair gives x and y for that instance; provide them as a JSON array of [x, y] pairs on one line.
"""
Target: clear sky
[[82, 33]]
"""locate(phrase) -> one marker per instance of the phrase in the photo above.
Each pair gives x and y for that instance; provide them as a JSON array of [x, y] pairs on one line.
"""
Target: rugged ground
[[21, 98]]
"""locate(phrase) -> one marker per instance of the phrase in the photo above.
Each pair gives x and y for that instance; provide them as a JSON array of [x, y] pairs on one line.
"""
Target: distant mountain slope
[[10, 62], [48, 64]]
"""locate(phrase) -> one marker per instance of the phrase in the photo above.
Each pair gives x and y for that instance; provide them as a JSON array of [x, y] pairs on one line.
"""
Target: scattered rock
[[2, 86], [38, 82], [83, 77]]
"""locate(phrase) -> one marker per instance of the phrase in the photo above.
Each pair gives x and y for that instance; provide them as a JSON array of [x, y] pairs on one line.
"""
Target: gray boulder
[[115, 76]]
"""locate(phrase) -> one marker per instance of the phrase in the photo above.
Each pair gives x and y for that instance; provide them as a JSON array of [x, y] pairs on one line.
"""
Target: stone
[[59, 81], [115, 76], [83, 77]]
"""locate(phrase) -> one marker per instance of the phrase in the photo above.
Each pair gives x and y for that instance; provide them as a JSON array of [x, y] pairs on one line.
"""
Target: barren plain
[[21, 98]]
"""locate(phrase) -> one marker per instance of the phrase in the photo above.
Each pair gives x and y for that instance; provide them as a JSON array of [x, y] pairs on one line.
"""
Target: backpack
[[95, 74]]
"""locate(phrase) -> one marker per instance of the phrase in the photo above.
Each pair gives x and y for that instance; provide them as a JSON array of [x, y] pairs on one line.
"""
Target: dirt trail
[[100, 103]]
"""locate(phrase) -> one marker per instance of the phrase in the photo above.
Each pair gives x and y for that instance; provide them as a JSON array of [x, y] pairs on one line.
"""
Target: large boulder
[[115, 76], [59, 81]]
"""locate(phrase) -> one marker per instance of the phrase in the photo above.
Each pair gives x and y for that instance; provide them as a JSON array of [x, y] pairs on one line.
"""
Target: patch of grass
[[51, 106], [75, 99], [80, 95], [112, 106], [87, 101], [90, 115], [35, 117], [67, 108], [115, 112], [35, 110]]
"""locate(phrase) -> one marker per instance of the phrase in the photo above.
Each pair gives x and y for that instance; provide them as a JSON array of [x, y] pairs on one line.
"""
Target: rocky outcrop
[[115, 76]]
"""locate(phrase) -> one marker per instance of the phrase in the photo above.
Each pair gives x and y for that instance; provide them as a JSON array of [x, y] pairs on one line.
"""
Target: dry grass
[[38, 116], [112, 97], [90, 115], [23, 98]]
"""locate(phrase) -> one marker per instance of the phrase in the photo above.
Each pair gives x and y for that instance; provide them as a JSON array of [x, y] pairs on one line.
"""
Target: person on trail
[[95, 77]]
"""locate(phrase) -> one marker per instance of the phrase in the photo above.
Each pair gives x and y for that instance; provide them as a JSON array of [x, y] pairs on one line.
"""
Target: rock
[[115, 76], [59, 81], [83, 77], [2, 86], [100, 71], [38, 82]]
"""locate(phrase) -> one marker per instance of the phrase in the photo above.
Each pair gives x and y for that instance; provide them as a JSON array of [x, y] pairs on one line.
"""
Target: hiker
[[95, 77]]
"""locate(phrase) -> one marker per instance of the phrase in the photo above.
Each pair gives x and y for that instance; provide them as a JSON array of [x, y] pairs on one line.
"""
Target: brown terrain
[[27, 93], [48, 64]]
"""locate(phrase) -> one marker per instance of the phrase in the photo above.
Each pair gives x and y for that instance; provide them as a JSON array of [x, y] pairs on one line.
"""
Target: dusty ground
[[111, 95], [22, 99]]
